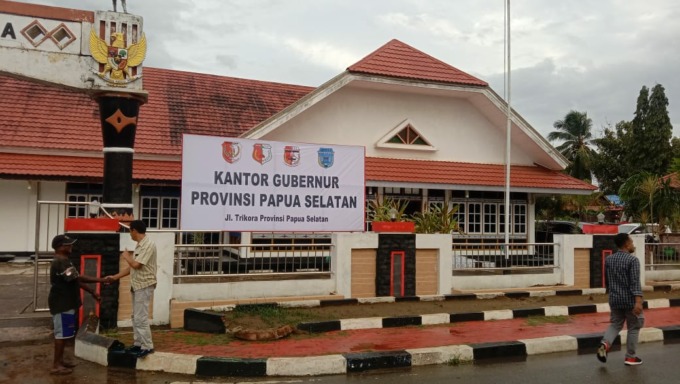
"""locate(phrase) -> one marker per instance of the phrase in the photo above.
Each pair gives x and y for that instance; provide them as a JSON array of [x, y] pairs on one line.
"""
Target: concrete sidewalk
[[349, 345], [340, 352]]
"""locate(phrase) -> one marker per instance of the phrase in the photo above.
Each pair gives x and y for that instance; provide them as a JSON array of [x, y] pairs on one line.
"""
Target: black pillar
[[118, 114]]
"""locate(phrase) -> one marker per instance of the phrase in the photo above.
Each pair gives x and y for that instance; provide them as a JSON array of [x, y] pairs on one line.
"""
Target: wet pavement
[[26, 343], [26, 340]]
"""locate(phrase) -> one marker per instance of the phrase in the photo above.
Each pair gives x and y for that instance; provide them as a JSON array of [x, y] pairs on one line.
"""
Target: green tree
[[651, 132], [651, 199], [575, 134], [609, 163]]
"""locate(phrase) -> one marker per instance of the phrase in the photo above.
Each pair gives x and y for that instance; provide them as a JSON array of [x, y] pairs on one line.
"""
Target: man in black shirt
[[64, 299]]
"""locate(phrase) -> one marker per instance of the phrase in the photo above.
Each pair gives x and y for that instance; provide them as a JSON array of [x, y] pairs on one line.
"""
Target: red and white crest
[[291, 155], [231, 152]]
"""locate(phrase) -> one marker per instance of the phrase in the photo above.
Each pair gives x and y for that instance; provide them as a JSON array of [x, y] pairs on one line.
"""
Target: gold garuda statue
[[117, 58]]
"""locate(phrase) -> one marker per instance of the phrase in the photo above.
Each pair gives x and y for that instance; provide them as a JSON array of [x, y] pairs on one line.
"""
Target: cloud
[[321, 53], [592, 56]]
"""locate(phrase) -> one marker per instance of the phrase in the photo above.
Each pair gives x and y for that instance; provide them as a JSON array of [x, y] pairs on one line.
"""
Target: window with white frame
[[82, 193], [160, 212], [519, 218], [474, 224], [159, 206], [461, 216], [490, 218]]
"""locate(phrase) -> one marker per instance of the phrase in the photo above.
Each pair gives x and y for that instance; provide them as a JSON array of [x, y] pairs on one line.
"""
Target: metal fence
[[248, 259], [662, 256], [520, 256]]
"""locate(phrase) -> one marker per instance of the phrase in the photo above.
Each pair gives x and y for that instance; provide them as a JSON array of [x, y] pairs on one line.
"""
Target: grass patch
[[541, 320], [112, 333], [272, 316], [201, 339], [456, 360]]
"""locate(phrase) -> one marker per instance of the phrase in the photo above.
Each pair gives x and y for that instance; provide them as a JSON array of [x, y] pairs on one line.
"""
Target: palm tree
[[647, 195], [575, 133]]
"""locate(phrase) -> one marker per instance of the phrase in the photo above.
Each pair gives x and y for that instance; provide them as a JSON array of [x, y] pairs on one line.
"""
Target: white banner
[[233, 184]]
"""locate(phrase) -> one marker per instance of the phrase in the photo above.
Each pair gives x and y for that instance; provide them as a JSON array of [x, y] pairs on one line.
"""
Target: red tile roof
[[35, 115], [396, 59], [673, 179], [445, 172], [377, 169], [82, 168]]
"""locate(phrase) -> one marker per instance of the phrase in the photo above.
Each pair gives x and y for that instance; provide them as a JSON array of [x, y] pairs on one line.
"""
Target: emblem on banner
[[291, 155], [262, 153], [326, 157], [231, 152]]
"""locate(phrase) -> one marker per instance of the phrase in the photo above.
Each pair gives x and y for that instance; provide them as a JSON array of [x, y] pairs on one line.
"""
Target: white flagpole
[[508, 129]]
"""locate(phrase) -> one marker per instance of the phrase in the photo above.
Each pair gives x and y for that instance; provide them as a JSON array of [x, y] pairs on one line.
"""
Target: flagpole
[[507, 129]]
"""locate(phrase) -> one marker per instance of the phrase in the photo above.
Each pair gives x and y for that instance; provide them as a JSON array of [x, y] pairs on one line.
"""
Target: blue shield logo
[[326, 157]]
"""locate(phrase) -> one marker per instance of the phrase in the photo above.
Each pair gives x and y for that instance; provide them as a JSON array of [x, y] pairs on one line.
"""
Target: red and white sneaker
[[602, 352], [633, 361]]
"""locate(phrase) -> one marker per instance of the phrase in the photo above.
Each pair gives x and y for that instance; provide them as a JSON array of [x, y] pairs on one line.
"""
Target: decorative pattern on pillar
[[603, 245], [107, 246], [395, 273], [119, 125]]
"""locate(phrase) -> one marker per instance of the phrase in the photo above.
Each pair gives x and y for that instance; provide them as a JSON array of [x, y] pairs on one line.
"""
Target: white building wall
[[358, 116], [18, 206], [15, 203]]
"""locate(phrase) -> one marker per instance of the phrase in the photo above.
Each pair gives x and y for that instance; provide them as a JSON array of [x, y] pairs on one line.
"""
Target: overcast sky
[[587, 55]]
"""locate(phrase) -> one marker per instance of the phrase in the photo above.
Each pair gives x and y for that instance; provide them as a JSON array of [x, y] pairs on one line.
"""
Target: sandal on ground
[[69, 364], [61, 371]]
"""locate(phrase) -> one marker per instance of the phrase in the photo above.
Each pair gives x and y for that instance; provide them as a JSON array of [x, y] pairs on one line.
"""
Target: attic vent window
[[407, 135]]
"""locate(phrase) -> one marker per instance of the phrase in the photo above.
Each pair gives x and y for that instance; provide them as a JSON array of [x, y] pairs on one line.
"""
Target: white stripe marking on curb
[[602, 307], [550, 344], [300, 304], [441, 355], [92, 352], [436, 318], [556, 311], [491, 295], [503, 314], [432, 298], [542, 293], [658, 303], [219, 308], [373, 300], [306, 366], [169, 362], [362, 323], [593, 291], [647, 335]]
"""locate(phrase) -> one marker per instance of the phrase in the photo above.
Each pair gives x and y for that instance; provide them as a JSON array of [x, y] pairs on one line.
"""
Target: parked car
[[637, 228], [545, 229]]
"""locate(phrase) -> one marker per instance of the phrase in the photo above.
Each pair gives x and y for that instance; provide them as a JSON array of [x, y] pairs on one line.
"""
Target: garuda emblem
[[117, 58]]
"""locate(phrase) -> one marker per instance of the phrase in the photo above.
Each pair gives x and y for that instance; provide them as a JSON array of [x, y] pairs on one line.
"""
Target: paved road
[[29, 364]]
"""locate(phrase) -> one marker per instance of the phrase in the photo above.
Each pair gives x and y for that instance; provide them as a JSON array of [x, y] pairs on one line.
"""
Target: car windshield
[[627, 228]]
